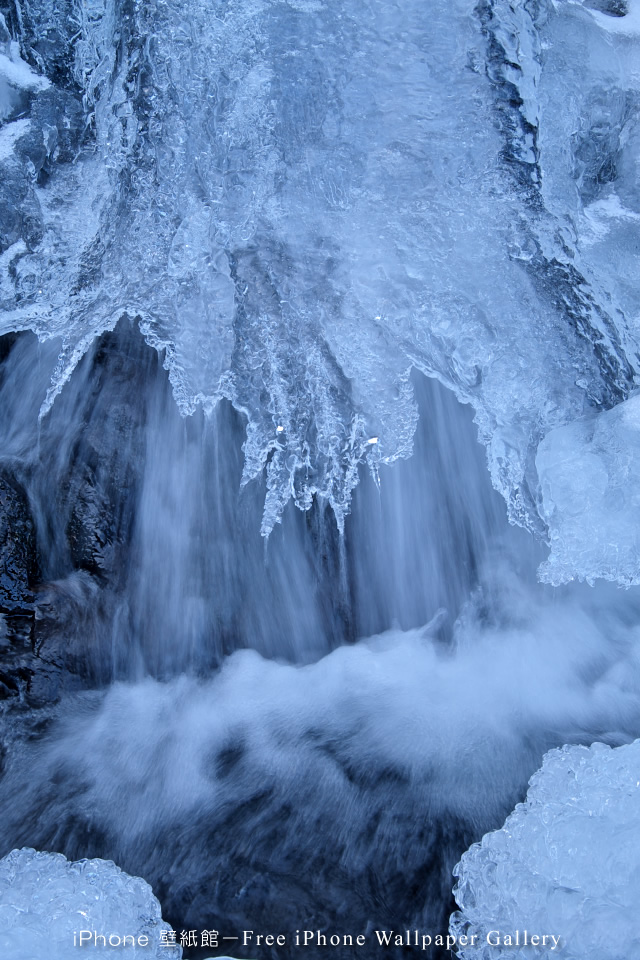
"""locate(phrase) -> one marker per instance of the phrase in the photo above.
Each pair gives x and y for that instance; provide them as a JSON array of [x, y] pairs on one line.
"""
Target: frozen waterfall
[[319, 454], [299, 203]]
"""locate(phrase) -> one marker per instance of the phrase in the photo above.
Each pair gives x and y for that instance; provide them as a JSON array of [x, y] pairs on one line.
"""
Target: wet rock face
[[18, 571], [613, 8], [47, 45], [98, 493], [67, 637], [18, 568], [41, 106], [95, 490], [74, 507]]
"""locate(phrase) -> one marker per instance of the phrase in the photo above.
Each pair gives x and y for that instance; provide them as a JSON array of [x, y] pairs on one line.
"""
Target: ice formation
[[590, 477], [298, 211], [297, 204], [564, 863], [45, 900]]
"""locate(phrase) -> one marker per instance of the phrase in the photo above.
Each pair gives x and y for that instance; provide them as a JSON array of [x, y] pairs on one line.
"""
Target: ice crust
[[45, 899], [299, 206], [565, 862]]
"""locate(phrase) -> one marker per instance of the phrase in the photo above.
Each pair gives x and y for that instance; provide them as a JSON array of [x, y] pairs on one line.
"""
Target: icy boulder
[[46, 901], [589, 476], [565, 864]]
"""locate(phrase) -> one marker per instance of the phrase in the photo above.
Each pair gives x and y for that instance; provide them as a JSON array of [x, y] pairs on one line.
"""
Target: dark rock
[[18, 571], [101, 487], [47, 34], [61, 113], [520, 153], [18, 564], [31, 149], [82, 491], [8, 686], [64, 622], [613, 8], [6, 344], [14, 190]]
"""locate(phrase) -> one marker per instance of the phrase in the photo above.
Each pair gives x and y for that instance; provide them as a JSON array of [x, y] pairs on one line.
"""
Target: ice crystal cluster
[[566, 862], [45, 899]]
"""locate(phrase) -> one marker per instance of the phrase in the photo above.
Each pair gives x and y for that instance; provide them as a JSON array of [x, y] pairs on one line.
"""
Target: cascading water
[[268, 271]]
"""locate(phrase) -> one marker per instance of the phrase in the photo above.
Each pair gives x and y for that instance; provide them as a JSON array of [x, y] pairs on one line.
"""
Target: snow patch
[[627, 26], [9, 136], [599, 214], [16, 72]]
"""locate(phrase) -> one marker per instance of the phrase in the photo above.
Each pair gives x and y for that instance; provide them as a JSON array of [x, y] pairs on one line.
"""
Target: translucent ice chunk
[[46, 901], [589, 475], [564, 865]]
